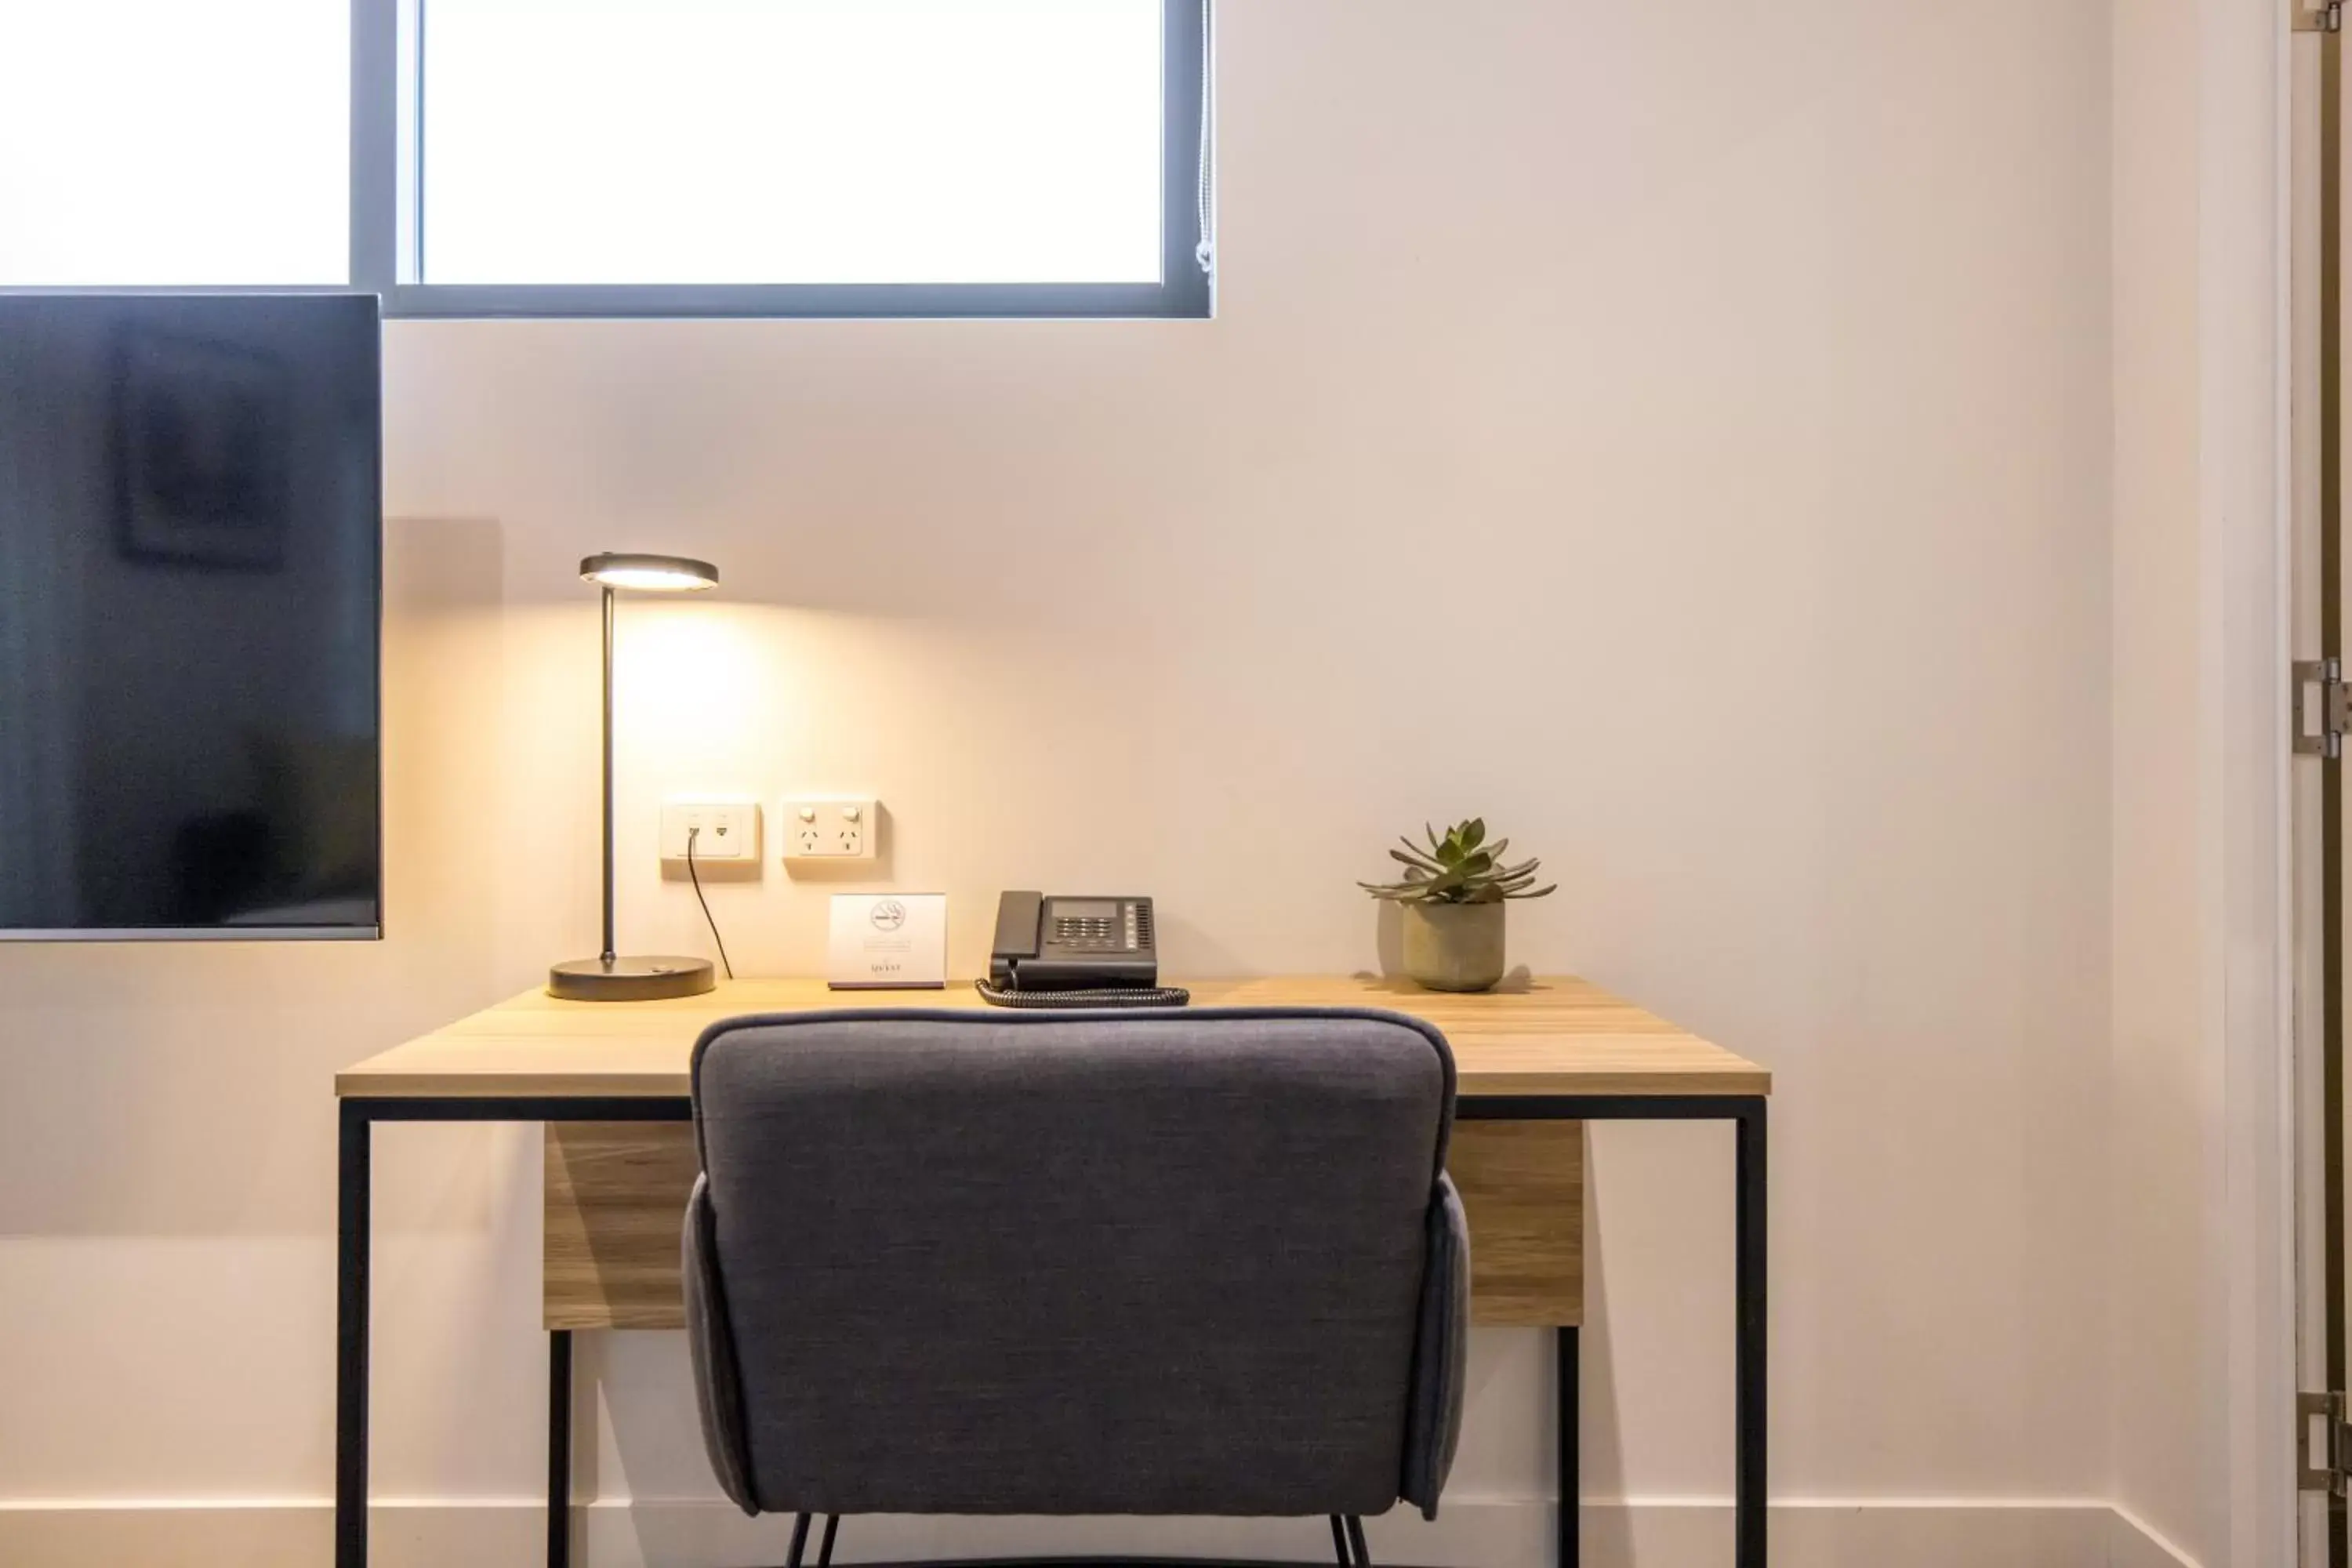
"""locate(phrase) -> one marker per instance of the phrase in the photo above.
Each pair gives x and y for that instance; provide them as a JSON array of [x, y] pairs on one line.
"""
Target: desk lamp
[[609, 977]]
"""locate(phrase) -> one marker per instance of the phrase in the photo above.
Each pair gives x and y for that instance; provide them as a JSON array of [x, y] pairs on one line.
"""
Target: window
[[616, 157], [849, 141], [165, 142]]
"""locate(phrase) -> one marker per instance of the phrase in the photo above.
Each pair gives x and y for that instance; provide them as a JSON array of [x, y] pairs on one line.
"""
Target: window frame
[[386, 252]]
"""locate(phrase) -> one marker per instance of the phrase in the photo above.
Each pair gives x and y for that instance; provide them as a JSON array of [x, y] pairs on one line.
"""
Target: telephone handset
[[1054, 952]]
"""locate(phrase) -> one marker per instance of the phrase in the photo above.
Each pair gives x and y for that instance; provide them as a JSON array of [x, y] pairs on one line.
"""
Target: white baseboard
[[1471, 1533]]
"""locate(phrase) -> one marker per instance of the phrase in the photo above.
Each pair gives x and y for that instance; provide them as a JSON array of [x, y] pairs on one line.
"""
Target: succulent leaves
[[1459, 868]]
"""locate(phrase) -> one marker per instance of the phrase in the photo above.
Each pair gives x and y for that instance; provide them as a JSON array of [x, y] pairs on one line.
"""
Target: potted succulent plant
[[1451, 901]]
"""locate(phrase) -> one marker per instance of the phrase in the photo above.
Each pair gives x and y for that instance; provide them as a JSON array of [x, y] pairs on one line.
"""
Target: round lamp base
[[630, 979]]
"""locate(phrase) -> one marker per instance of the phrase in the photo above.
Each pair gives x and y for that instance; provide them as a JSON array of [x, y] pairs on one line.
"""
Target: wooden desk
[[1534, 1060]]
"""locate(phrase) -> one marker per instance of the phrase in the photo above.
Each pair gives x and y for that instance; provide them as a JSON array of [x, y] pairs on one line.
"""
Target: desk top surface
[[1546, 1036]]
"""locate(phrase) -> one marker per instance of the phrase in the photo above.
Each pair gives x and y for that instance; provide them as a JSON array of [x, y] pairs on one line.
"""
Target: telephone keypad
[[1090, 934]]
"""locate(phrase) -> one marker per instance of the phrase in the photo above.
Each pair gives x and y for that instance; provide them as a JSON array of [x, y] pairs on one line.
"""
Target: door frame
[[2307, 1151]]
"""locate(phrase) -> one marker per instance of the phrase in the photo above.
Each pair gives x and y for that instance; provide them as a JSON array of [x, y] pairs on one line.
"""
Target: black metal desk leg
[[1749, 1355], [351, 1220], [559, 1448], [1570, 1485]]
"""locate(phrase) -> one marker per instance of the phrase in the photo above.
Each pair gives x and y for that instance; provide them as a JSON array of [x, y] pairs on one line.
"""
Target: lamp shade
[[649, 573]]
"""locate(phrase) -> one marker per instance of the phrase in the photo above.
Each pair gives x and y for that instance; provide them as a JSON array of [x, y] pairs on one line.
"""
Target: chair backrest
[[1197, 1262]]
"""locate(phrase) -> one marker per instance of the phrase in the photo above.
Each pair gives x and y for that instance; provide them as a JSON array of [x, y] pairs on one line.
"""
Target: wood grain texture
[[1553, 1036], [616, 1195], [1522, 1185]]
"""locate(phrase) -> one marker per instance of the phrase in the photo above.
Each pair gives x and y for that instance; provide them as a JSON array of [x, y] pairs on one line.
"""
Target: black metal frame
[[358, 1116], [1750, 1244]]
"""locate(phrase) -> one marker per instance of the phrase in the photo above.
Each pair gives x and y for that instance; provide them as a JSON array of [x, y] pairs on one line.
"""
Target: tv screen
[[190, 590]]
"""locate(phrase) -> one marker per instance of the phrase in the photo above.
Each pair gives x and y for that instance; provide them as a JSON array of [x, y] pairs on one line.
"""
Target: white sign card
[[889, 942]]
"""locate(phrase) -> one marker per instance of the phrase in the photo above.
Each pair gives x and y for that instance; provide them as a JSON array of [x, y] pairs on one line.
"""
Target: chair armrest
[[717, 1387], [1433, 1429]]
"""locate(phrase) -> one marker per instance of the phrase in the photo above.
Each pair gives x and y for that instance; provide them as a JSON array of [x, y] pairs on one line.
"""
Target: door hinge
[[2319, 707], [2326, 1471], [2323, 18]]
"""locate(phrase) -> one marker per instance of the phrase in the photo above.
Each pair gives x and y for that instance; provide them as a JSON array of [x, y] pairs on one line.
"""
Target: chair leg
[[1339, 1542], [1355, 1538], [824, 1547], [799, 1540]]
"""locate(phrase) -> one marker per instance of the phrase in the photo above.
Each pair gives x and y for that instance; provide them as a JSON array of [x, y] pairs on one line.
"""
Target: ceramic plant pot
[[1454, 947]]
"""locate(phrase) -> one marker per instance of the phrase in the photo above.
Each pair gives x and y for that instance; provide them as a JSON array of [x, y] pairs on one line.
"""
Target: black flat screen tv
[[191, 590]]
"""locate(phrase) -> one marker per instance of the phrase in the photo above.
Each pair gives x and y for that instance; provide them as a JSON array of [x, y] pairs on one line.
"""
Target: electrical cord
[[1204, 189], [1100, 996], [696, 876]]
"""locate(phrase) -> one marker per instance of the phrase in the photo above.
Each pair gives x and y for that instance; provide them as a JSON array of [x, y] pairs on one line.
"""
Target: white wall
[[1679, 433], [2166, 1345], [2200, 1304]]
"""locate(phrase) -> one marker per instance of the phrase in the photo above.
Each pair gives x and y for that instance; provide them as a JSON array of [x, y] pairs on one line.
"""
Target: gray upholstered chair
[[1197, 1262]]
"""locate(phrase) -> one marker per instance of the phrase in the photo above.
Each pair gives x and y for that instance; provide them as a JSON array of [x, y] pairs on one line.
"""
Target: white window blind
[[174, 142], [617, 157], [791, 142]]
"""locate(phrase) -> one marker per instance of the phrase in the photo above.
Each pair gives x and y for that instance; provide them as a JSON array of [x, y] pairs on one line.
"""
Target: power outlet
[[829, 827], [721, 830]]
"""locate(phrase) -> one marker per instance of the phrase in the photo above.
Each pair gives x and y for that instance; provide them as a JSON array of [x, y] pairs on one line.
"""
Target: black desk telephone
[[1054, 951]]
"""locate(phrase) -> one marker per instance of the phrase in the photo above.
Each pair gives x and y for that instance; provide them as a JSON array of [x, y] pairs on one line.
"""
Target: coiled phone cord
[[1102, 996]]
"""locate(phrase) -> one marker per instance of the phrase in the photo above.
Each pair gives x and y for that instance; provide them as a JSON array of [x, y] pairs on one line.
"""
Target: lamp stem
[[608, 777]]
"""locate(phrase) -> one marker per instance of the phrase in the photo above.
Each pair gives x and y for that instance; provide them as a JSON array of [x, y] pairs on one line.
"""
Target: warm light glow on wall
[[689, 674]]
